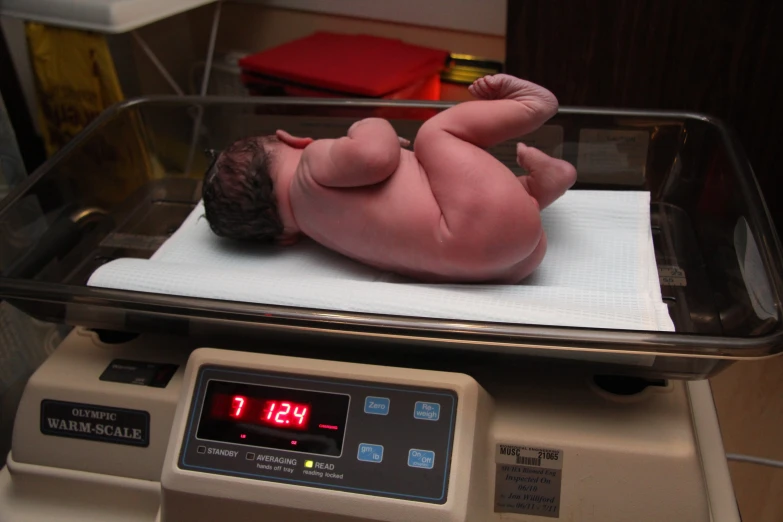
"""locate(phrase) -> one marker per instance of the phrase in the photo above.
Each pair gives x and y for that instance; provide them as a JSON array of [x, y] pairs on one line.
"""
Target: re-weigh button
[[370, 453], [376, 405], [421, 459], [427, 411]]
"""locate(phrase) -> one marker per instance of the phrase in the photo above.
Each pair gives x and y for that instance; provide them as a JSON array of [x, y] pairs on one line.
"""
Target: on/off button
[[423, 459], [376, 405]]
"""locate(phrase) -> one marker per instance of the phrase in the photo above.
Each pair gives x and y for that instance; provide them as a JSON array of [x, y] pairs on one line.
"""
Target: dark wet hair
[[238, 193]]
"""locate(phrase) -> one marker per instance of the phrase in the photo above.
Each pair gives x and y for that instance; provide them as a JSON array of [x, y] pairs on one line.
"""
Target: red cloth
[[350, 64]]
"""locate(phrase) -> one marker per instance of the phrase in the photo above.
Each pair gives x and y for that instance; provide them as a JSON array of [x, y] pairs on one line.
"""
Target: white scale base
[[650, 457]]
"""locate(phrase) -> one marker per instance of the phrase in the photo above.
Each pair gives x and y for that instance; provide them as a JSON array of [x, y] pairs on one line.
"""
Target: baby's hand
[[403, 141]]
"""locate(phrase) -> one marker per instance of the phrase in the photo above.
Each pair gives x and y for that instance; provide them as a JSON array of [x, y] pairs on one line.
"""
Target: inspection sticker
[[528, 480], [672, 276]]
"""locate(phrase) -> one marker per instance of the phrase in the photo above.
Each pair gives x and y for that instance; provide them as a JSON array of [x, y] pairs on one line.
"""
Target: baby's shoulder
[[316, 155]]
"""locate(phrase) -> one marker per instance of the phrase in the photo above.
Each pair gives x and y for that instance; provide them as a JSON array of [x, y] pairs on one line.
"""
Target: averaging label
[[528, 480]]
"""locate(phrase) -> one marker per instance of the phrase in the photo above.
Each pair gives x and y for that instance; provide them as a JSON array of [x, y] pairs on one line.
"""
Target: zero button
[[376, 405]]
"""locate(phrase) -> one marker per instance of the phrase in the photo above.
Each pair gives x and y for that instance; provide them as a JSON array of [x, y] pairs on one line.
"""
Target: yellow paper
[[76, 81]]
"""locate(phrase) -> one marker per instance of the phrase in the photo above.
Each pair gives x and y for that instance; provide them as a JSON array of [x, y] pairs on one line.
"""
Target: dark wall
[[28, 141], [718, 57]]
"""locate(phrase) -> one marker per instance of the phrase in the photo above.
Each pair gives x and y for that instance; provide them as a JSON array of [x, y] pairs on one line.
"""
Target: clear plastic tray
[[129, 180]]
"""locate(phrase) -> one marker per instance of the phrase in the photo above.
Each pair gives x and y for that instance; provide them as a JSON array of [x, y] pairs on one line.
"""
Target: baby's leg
[[449, 145], [507, 108], [548, 178], [490, 224]]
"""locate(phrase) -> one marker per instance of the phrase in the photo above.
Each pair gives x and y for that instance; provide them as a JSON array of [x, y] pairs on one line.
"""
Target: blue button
[[421, 459], [427, 411], [370, 453], [376, 405]]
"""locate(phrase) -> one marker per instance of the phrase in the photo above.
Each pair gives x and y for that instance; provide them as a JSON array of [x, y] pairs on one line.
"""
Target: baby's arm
[[369, 154], [508, 108]]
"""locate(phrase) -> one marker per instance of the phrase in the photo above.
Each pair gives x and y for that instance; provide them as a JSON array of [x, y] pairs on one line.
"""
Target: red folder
[[345, 64]]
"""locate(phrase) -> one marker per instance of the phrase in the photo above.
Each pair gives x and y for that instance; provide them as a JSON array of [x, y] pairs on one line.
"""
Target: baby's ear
[[293, 141], [287, 240]]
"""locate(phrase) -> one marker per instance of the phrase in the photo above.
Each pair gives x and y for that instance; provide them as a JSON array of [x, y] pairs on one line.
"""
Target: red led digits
[[260, 416], [285, 414], [302, 416], [280, 414], [237, 406], [269, 409]]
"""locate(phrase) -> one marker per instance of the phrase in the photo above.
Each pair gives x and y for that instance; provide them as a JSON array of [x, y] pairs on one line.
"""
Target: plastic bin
[[103, 198]]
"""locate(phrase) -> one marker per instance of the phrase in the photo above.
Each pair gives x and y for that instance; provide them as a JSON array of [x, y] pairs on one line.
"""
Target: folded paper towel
[[599, 272]]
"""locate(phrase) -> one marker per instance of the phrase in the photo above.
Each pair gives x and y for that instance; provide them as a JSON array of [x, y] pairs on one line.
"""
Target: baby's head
[[239, 195]]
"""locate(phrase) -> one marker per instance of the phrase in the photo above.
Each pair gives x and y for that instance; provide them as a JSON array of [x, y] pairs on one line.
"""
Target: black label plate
[[156, 375], [93, 422]]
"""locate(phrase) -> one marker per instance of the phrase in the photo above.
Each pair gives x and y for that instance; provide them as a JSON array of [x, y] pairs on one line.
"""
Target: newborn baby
[[448, 211]]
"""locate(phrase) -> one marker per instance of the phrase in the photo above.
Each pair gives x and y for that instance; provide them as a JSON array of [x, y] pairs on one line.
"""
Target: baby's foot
[[484, 88], [548, 179], [507, 87], [497, 87]]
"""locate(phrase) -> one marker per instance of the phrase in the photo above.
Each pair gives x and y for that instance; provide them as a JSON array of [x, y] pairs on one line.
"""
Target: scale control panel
[[369, 438]]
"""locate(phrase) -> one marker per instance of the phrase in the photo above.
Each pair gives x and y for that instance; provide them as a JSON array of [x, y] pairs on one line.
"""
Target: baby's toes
[[494, 83], [477, 87], [480, 89]]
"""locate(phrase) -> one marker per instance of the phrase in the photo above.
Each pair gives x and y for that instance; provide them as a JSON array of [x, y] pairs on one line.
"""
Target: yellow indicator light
[[308, 463]]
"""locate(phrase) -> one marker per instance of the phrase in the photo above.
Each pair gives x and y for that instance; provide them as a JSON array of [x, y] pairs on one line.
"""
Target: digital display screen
[[273, 417], [271, 412]]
